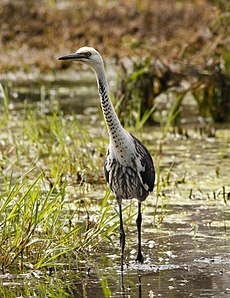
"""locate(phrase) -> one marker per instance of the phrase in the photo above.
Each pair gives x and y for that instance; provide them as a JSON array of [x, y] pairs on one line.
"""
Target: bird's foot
[[140, 258]]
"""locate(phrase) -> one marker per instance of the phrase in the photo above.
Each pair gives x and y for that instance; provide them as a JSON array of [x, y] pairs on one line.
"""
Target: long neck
[[121, 143], [114, 126]]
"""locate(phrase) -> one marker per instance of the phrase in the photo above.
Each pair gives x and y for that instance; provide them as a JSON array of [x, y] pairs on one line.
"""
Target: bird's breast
[[122, 150], [129, 170]]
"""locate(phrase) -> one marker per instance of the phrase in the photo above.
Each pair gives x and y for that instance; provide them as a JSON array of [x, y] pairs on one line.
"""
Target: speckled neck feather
[[119, 138], [111, 118]]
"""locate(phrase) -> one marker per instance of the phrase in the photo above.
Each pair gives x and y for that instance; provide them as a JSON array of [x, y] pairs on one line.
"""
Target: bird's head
[[87, 55]]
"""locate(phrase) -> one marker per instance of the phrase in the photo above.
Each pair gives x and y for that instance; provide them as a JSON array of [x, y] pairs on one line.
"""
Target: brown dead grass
[[35, 33]]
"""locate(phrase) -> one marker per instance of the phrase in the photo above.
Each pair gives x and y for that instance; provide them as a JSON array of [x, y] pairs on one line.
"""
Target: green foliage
[[173, 116], [106, 290], [139, 87], [36, 223], [28, 220], [4, 96], [43, 155], [214, 98], [136, 95]]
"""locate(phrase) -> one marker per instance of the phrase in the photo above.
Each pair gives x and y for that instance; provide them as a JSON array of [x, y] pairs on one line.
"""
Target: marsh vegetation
[[59, 222]]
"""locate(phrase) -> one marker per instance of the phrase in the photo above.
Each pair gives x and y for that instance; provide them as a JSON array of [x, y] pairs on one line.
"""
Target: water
[[186, 231]]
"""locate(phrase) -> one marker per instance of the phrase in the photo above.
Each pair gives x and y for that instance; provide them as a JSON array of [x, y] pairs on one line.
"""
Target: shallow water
[[186, 231]]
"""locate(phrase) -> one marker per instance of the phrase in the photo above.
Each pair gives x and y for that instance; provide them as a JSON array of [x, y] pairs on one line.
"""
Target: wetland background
[[168, 67]]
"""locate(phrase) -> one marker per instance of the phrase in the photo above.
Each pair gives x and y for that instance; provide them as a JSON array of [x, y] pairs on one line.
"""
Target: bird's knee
[[122, 235], [139, 219]]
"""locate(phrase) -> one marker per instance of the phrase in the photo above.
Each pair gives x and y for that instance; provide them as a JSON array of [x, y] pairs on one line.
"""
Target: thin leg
[[139, 286], [140, 257], [122, 284], [122, 237]]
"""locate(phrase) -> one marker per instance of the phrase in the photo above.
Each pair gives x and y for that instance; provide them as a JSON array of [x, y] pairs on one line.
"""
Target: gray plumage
[[135, 180], [128, 166]]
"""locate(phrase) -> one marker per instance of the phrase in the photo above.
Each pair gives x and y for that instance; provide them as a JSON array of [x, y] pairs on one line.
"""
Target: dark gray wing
[[148, 175]]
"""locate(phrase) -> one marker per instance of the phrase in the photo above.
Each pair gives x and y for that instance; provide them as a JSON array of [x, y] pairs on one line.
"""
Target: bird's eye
[[87, 54]]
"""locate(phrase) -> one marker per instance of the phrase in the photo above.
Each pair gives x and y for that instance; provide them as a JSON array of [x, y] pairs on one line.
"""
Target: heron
[[128, 167]]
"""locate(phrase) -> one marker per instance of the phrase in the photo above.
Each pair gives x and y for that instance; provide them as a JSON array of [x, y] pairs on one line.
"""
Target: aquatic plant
[[38, 227], [150, 78], [42, 156], [136, 92]]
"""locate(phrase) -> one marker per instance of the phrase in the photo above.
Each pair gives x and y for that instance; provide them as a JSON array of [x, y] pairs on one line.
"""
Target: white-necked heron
[[128, 167]]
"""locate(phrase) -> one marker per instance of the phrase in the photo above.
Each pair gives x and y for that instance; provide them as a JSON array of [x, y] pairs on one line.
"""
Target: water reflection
[[125, 292], [139, 286]]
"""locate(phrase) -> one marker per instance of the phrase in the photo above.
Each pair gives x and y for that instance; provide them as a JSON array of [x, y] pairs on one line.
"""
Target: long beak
[[73, 56]]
